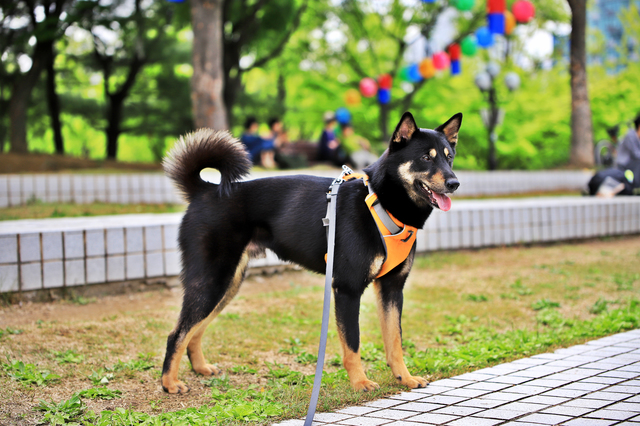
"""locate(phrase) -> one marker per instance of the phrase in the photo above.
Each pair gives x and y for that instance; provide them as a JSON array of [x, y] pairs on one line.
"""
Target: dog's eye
[[426, 157], [449, 157]]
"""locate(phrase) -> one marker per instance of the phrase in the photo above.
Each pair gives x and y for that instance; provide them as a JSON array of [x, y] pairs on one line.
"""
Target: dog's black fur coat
[[285, 214]]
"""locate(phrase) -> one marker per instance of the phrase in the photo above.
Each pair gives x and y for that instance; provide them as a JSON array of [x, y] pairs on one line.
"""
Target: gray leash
[[330, 222]]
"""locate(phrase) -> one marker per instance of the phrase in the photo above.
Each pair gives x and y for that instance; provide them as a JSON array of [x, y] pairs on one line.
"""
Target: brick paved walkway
[[595, 384]]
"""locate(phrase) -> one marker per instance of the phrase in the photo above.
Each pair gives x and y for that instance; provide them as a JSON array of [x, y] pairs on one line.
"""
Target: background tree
[[581, 123], [30, 29]]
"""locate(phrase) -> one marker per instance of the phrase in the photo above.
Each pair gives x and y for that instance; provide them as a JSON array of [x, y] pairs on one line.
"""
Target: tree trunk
[[53, 102], [114, 117], [20, 96], [207, 83], [581, 124]]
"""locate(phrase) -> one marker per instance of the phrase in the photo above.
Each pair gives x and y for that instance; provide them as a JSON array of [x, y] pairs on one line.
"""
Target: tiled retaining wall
[[155, 188], [67, 252]]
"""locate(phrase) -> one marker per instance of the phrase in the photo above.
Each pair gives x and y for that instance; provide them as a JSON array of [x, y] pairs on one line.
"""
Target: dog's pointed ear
[[404, 130], [451, 128]]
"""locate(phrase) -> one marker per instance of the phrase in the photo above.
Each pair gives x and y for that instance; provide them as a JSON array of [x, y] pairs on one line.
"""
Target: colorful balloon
[[509, 22], [343, 115], [454, 51], [368, 87], [523, 11], [469, 46], [428, 1], [404, 74], [497, 6], [385, 81], [441, 60], [464, 5], [352, 97], [496, 23], [484, 36], [426, 68], [455, 67], [413, 73], [384, 96]]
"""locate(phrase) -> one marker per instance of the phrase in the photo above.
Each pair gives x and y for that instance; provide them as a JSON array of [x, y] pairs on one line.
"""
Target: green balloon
[[464, 5], [404, 74], [469, 46]]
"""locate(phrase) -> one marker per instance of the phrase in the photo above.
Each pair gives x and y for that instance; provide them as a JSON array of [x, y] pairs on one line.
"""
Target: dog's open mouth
[[441, 201]]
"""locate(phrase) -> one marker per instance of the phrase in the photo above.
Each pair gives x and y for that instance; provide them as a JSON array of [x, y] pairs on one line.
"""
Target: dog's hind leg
[[202, 303], [389, 301], [347, 319]]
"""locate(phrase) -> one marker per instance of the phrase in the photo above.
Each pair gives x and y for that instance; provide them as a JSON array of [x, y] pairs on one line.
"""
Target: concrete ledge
[[155, 188], [60, 253]]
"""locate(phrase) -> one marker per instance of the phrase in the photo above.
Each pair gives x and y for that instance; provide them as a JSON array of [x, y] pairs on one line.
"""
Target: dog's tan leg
[[353, 364], [347, 314], [192, 339], [389, 313]]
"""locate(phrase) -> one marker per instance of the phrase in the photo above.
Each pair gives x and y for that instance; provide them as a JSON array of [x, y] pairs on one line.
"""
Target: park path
[[594, 384]]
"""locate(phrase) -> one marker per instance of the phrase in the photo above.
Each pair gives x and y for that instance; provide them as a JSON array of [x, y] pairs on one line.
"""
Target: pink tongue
[[444, 202]]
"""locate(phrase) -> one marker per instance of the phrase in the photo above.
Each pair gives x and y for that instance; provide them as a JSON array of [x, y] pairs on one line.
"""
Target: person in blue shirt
[[261, 150], [329, 148], [629, 152]]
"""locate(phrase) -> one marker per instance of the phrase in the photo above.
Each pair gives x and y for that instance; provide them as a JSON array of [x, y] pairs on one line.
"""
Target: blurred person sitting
[[284, 159], [261, 150], [329, 148], [357, 148], [629, 152]]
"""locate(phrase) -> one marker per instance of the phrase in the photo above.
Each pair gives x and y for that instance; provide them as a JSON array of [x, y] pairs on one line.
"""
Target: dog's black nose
[[452, 184]]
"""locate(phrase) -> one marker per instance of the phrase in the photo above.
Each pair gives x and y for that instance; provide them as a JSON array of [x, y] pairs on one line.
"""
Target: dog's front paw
[[414, 382], [365, 385], [174, 386], [207, 370]]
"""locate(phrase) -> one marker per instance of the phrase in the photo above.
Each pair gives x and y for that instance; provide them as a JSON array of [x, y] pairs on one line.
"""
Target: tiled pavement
[[595, 384]]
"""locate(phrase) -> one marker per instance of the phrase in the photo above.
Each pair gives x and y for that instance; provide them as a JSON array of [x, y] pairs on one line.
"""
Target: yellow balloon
[[352, 97], [509, 22], [426, 68]]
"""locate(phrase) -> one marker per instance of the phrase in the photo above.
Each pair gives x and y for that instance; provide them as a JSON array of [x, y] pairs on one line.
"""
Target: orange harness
[[397, 241]]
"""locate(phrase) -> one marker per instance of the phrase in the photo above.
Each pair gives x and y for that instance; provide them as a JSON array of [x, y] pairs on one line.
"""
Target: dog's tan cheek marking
[[405, 173], [198, 362], [446, 152], [433, 153]]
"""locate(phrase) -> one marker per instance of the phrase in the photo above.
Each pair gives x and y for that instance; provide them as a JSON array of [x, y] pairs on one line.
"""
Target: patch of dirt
[[46, 163]]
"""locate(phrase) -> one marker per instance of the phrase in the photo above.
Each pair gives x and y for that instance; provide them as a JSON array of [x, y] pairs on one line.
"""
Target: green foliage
[[601, 305], [8, 331], [66, 412], [544, 304], [100, 393], [68, 357], [100, 377], [143, 363], [477, 298], [28, 374]]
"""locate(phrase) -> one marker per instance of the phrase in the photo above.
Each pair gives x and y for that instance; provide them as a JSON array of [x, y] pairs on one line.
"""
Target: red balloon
[[454, 51], [497, 6], [385, 81], [368, 87], [441, 60], [523, 11]]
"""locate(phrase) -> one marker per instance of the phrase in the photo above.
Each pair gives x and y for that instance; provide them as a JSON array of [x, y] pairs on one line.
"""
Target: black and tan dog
[[285, 215]]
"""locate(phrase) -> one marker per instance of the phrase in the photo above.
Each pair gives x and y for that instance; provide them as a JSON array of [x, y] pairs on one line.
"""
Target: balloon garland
[[499, 21]]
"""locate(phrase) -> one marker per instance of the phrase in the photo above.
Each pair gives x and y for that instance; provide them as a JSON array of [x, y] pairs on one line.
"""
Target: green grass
[[28, 374], [40, 210], [455, 320]]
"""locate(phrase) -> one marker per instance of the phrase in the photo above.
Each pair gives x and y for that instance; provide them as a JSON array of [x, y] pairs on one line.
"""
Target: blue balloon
[[343, 115], [496, 23], [384, 96], [428, 1], [413, 73], [484, 36], [455, 67]]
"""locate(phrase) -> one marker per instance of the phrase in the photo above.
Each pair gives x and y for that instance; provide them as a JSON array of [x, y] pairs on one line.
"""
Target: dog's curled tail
[[202, 149]]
